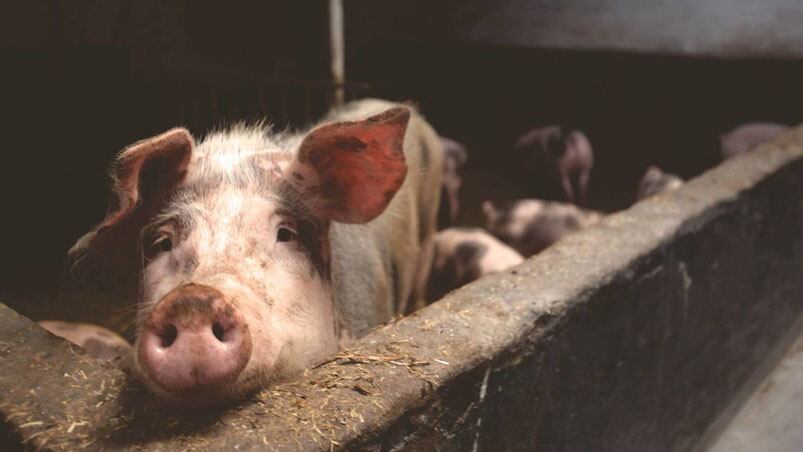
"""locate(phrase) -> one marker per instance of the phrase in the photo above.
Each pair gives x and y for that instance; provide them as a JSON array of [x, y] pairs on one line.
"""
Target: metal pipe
[[337, 50]]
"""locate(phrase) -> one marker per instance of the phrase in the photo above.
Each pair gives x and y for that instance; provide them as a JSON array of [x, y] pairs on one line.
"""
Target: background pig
[[454, 159], [567, 154], [656, 181], [530, 225], [463, 255], [747, 136], [97, 341], [256, 252]]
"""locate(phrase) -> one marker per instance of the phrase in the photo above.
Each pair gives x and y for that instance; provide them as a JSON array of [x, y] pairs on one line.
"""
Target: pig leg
[[423, 269], [566, 182], [582, 186]]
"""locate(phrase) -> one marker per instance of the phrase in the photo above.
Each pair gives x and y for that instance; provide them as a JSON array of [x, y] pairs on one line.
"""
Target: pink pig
[[747, 136], [567, 154], [463, 255], [257, 252], [530, 225]]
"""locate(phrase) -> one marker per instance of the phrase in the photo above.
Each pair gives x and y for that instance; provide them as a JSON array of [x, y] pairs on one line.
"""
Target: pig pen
[[641, 333], [635, 334]]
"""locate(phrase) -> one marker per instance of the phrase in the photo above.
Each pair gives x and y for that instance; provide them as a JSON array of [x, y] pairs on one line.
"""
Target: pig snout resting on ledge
[[258, 252]]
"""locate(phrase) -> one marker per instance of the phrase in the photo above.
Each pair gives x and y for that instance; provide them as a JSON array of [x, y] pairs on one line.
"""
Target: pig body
[[98, 342], [530, 225], [747, 136], [656, 181], [261, 251], [463, 255], [454, 159], [567, 155], [403, 233]]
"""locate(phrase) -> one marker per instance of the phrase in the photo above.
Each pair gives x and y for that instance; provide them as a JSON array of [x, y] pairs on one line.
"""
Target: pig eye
[[285, 234], [158, 245]]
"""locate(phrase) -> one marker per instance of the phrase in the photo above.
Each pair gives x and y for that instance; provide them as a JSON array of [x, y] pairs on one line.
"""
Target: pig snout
[[194, 339]]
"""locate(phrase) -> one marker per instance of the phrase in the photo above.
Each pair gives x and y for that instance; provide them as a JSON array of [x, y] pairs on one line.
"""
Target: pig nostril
[[168, 336], [218, 331]]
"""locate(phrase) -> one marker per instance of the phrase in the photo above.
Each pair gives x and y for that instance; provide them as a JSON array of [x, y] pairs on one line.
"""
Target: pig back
[[375, 266]]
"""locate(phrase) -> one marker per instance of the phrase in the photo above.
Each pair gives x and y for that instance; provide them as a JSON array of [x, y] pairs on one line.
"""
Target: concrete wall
[[632, 335]]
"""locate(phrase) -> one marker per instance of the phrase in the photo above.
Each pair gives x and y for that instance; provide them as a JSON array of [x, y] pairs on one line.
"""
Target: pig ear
[[350, 171], [143, 176]]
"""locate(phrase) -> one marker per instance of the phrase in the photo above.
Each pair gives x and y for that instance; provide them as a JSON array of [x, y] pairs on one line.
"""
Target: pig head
[[230, 240]]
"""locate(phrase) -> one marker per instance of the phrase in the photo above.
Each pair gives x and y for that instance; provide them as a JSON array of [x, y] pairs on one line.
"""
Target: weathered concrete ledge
[[632, 335]]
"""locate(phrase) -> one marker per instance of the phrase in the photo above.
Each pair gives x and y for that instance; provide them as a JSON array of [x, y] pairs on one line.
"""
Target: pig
[[420, 207], [566, 154], [530, 225], [98, 342], [656, 181], [463, 255], [455, 157], [747, 136], [257, 252]]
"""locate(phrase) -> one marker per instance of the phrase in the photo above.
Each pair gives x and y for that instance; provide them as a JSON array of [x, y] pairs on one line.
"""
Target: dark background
[[82, 79]]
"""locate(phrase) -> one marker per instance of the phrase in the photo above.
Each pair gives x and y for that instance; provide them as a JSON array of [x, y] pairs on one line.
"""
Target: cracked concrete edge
[[354, 400]]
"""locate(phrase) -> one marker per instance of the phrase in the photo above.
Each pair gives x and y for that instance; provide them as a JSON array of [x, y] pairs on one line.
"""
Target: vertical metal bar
[[337, 49]]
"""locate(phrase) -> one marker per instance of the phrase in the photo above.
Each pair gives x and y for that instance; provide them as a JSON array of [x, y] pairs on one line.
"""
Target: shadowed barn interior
[[648, 84]]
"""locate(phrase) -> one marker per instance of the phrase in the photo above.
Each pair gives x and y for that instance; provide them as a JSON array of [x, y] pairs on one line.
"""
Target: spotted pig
[[530, 225], [463, 255]]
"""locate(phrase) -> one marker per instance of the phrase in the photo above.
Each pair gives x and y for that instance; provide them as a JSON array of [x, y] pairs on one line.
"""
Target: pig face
[[235, 286]]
